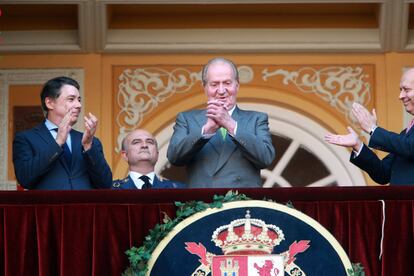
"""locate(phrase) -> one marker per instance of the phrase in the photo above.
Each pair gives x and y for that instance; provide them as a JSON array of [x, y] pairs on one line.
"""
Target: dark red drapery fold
[[87, 233]]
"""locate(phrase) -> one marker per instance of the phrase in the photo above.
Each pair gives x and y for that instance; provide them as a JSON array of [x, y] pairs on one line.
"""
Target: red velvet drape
[[86, 233]]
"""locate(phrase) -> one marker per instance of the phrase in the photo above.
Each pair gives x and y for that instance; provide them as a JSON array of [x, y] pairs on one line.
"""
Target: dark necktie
[[67, 154], [147, 183]]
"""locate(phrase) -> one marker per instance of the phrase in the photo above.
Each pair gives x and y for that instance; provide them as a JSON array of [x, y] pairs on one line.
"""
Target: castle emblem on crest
[[247, 245]]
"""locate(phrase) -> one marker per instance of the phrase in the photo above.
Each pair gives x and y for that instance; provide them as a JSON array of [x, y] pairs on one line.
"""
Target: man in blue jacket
[[140, 150], [397, 167], [52, 155]]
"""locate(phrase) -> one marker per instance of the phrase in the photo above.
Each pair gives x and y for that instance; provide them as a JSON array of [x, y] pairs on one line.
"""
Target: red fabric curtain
[[87, 233]]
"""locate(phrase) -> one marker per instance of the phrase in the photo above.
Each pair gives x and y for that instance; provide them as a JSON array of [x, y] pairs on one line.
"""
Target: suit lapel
[[228, 146], [200, 118], [130, 184], [44, 133], [214, 141], [156, 182]]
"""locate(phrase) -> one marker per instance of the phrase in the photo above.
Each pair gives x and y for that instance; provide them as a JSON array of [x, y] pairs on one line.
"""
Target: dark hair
[[218, 60], [52, 87]]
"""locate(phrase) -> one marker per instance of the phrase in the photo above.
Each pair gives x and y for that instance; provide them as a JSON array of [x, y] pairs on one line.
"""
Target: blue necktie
[[67, 154]]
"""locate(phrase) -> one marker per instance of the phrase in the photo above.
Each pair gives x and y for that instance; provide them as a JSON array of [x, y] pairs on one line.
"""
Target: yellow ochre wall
[[100, 87]]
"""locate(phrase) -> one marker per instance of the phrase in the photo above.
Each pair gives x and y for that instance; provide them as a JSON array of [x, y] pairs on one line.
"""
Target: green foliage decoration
[[139, 257], [357, 270]]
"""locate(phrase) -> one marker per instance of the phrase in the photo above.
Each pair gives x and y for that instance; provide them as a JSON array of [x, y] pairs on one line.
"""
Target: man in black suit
[[140, 150], [397, 167], [53, 156]]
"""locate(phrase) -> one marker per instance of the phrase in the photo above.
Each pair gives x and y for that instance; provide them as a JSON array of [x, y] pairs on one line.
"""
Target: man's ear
[[50, 103], [124, 155], [205, 89]]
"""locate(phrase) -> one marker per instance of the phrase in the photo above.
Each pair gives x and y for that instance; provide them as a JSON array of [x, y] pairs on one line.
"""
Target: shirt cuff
[[356, 153], [372, 130], [206, 136], [235, 131]]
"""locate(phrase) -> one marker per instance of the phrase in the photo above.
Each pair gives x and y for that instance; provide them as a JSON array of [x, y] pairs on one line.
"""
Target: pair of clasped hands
[[366, 120], [91, 122], [218, 116]]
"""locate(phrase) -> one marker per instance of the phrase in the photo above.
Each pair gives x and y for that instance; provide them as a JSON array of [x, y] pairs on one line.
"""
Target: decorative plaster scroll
[[142, 89], [22, 77], [340, 86]]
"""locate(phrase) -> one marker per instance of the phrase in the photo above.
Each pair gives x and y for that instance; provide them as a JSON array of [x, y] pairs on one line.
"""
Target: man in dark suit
[[140, 150], [397, 167], [221, 146], [53, 156]]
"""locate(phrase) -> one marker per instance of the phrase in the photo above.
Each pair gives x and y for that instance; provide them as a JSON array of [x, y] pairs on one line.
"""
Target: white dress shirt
[[135, 176]]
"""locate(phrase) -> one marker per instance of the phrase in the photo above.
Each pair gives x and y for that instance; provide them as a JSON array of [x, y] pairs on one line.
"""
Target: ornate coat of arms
[[249, 238]]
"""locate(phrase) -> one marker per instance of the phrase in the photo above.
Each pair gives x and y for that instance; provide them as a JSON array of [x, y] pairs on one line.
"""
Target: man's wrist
[[208, 130], [373, 128], [87, 146], [357, 148]]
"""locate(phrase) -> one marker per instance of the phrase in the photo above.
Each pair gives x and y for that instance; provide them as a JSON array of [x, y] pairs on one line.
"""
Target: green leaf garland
[[139, 257]]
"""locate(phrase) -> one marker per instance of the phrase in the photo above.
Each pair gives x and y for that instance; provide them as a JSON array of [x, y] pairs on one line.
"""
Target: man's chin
[[73, 121], [409, 109]]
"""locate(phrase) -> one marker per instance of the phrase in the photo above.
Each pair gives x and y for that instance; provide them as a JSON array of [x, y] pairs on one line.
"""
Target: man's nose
[[402, 93], [78, 104], [221, 89]]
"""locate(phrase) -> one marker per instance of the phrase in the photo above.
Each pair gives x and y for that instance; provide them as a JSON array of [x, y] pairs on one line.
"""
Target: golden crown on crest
[[247, 236]]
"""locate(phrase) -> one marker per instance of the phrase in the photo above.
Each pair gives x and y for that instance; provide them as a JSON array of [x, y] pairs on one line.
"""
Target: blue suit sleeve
[[98, 169], [399, 144], [31, 164], [379, 170]]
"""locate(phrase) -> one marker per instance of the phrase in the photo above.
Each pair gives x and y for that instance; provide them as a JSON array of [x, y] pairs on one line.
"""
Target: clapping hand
[[347, 140], [64, 129], [218, 116], [91, 123], [366, 120]]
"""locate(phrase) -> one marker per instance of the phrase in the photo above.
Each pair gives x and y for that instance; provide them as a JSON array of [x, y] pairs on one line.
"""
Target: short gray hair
[[218, 60]]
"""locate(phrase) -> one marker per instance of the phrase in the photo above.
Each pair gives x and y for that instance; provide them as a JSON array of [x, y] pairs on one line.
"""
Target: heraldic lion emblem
[[249, 238]]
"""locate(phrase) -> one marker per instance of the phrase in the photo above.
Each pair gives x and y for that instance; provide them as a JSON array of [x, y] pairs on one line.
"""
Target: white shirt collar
[[138, 182], [50, 125], [52, 129], [231, 110]]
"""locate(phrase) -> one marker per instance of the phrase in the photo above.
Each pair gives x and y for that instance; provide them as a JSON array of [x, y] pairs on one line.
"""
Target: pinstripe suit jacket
[[397, 168], [235, 162]]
